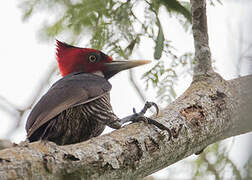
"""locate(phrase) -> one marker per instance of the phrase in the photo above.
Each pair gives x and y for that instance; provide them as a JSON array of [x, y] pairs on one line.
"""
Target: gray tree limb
[[203, 65], [207, 112], [5, 144], [211, 109]]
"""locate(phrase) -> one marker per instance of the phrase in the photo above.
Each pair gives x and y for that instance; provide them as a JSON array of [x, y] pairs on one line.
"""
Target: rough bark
[[208, 111], [5, 144], [211, 109], [203, 65]]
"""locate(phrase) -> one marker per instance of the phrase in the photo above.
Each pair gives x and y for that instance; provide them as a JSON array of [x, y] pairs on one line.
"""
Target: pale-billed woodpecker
[[77, 107]]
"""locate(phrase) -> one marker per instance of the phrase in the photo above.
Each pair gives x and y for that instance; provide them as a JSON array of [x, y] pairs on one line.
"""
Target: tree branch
[[208, 111], [203, 64], [5, 144]]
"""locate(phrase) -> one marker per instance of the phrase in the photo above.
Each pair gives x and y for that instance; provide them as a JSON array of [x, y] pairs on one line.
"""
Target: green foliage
[[159, 42], [215, 161], [115, 27], [248, 168], [175, 6], [164, 78], [212, 2]]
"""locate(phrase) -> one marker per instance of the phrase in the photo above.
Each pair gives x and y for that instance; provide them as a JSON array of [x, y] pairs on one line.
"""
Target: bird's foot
[[140, 116], [137, 117]]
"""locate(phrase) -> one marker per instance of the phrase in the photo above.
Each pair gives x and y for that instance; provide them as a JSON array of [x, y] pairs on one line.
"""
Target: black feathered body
[[76, 108]]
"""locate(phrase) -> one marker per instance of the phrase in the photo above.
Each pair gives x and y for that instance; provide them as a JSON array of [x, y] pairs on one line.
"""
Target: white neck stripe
[[99, 73]]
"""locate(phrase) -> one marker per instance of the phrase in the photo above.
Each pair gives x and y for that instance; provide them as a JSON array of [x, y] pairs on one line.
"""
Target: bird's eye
[[92, 58]]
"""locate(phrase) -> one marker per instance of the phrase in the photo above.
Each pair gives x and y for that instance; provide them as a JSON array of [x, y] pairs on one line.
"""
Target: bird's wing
[[72, 90]]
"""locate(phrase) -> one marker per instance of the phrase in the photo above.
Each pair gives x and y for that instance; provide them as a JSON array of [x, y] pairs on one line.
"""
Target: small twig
[[211, 167], [41, 86], [21, 112], [10, 105], [133, 82], [235, 169]]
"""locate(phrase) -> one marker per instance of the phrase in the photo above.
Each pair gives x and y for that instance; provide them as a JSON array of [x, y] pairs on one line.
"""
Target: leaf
[[56, 28], [174, 5], [27, 14], [173, 93], [159, 43], [28, 7]]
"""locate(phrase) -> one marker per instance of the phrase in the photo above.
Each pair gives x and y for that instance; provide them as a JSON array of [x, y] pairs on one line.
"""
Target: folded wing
[[72, 90]]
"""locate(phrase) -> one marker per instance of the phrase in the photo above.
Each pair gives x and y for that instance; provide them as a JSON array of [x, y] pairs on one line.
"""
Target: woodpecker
[[77, 107]]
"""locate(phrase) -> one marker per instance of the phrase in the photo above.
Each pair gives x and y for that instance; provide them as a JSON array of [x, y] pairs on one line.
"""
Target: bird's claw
[[134, 111], [150, 104], [147, 106], [137, 117], [140, 116]]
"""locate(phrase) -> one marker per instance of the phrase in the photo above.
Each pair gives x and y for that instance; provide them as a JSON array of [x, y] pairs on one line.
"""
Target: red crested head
[[74, 59]]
